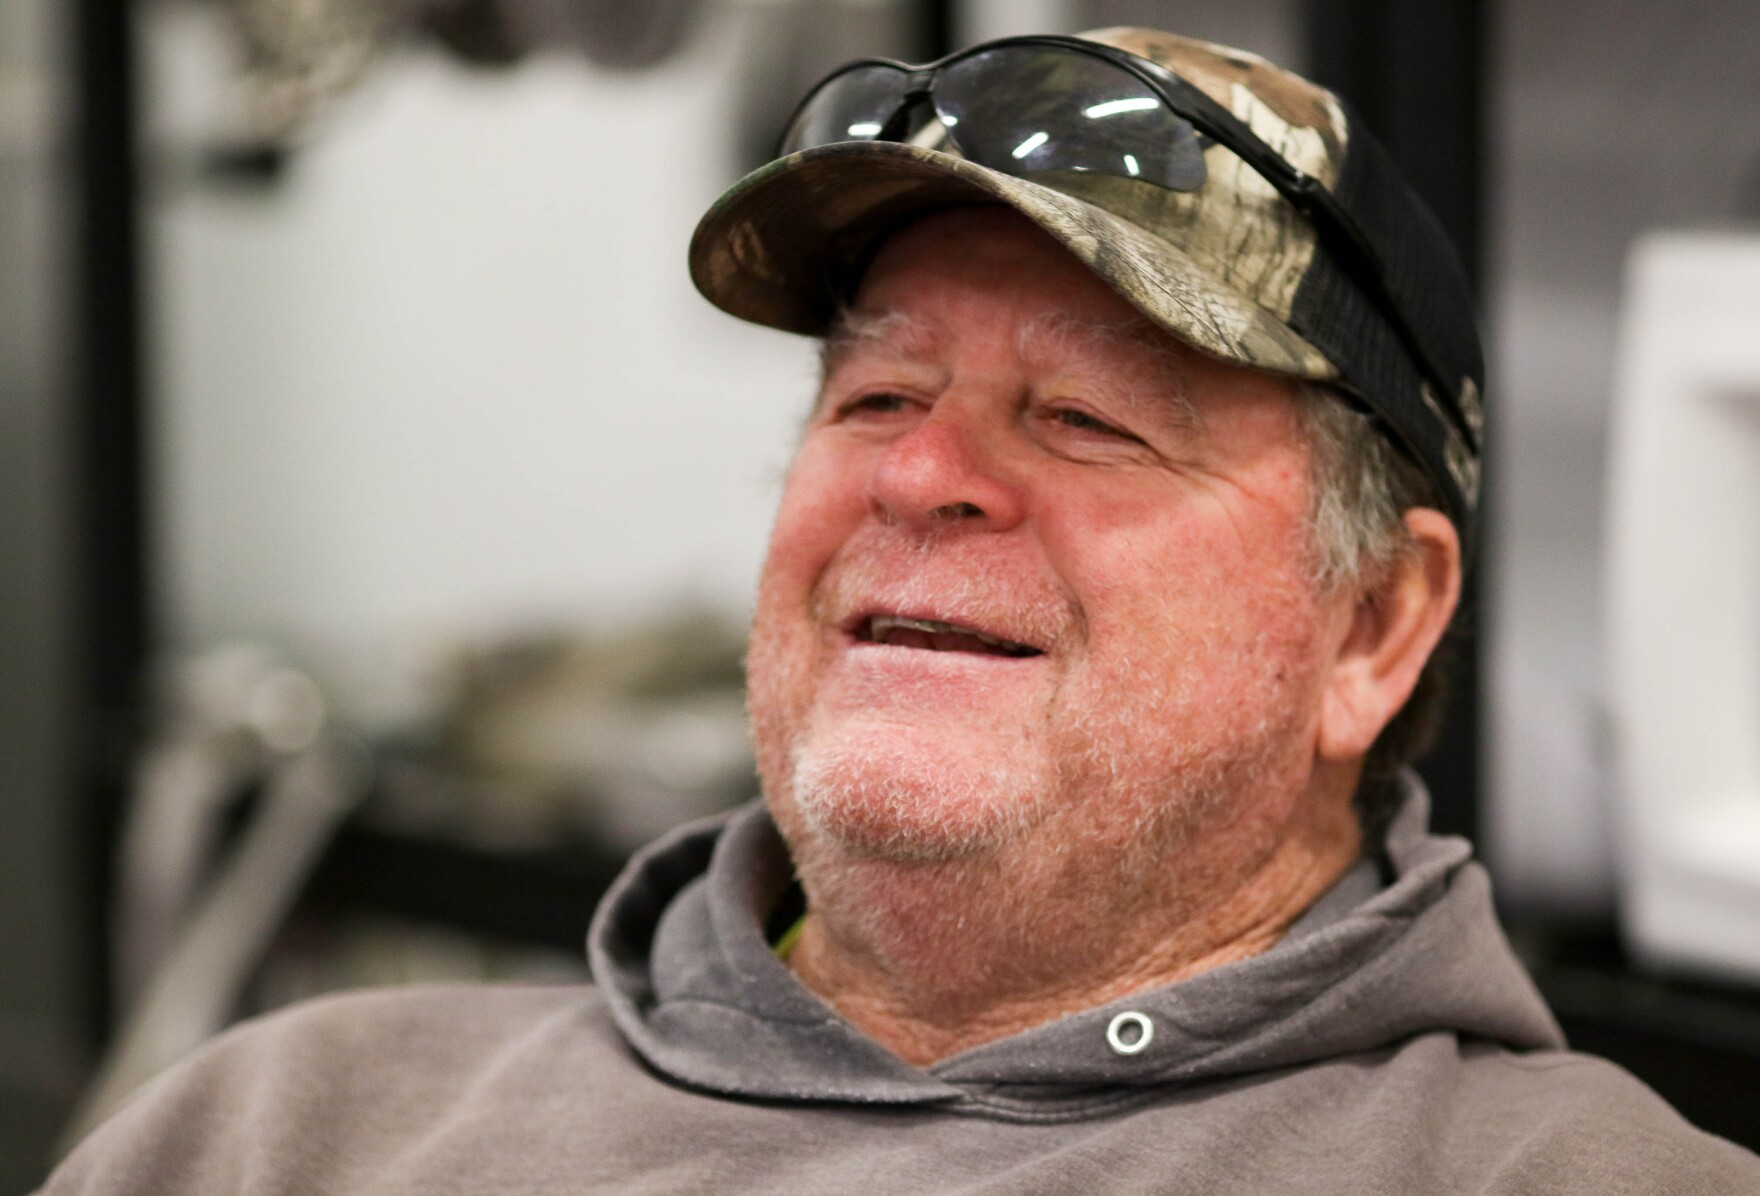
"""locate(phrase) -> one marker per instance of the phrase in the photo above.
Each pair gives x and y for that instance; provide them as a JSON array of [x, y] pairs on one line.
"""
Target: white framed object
[[1683, 577]]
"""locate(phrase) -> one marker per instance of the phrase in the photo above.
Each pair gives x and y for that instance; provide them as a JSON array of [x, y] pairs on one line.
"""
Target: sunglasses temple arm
[[1316, 203]]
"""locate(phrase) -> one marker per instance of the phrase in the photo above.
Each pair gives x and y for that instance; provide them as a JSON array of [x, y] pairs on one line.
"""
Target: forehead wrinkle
[[1111, 357]]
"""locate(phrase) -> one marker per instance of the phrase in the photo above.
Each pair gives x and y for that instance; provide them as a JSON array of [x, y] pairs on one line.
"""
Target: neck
[[931, 959]]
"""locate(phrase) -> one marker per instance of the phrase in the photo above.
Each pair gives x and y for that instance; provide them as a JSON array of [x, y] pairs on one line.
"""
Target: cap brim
[[781, 248]]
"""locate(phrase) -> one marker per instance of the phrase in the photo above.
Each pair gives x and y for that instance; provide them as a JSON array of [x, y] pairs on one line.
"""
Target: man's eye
[[879, 403], [1081, 421]]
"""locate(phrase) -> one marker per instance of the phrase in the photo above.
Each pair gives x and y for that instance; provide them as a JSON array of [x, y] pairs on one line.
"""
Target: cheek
[[1216, 596], [822, 503], [814, 518]]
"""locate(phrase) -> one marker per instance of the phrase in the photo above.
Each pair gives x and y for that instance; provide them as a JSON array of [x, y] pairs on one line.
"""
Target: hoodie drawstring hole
[[1129, 1033]]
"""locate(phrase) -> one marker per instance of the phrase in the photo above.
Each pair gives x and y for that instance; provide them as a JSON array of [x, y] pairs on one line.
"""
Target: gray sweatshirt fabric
[[1389, 1044]]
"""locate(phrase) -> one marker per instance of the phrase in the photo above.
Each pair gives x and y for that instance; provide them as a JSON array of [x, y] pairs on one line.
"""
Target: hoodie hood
[[678, 948]]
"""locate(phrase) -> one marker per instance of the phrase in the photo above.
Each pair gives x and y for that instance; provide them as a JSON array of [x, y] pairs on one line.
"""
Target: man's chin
[[911, 803]]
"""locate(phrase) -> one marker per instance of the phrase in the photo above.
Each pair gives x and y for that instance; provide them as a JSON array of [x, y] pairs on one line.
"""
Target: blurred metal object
[[478, 31], [610, 33], [617, 33], [616, 736], [196, 987], [540, 739], [795, 43], [302, 54], [230, 716], [191, 928], [297, 58]]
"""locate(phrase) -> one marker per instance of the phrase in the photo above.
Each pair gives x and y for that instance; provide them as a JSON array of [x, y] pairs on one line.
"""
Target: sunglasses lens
[[853, 105], [1040, 109]]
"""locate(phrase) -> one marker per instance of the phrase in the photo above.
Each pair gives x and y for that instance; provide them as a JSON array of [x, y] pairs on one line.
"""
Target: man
[[1127, 519]]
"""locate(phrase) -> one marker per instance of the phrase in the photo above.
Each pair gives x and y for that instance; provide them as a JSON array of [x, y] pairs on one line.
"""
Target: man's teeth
[[881, 629]]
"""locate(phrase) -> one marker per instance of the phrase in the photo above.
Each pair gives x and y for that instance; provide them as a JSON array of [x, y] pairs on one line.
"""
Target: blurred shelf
[[538, 897]]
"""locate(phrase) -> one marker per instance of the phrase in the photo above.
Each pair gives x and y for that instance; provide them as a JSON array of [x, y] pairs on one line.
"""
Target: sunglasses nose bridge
[[916, 92]]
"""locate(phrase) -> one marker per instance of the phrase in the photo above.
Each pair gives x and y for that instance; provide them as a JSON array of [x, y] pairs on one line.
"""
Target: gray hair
[[1362, 487]]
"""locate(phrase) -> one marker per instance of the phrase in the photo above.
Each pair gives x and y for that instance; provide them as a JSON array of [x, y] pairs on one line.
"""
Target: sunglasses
[[1045, 105]]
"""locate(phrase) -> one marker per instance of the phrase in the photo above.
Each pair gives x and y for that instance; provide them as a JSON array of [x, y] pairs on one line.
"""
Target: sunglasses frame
[[1345, 241]]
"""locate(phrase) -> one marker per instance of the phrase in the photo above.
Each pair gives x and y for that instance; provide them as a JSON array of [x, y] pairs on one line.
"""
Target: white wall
[[451, 374]]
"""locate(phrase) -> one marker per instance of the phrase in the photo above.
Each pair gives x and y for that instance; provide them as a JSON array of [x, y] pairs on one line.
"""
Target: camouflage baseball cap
[[1232, 267]]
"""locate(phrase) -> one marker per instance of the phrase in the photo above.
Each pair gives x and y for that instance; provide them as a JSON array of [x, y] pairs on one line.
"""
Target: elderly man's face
[[1039, 574]]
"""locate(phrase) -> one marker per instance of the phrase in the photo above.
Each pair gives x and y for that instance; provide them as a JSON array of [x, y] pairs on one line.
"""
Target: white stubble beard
[[1116, 767], [857, 785], [879, 787], [1120, 804], [873, 788]]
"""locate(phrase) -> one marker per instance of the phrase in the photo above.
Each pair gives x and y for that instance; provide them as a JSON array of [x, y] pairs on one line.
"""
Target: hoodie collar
[[679, 950]]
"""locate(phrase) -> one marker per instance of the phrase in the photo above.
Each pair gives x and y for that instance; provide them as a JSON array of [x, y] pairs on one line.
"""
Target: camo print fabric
[[1273, 244], [769, 231], [1245, 233], [1463, 463], [1219, 266]]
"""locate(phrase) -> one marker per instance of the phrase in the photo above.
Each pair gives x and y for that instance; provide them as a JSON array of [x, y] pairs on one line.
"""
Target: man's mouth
[[935, 636]]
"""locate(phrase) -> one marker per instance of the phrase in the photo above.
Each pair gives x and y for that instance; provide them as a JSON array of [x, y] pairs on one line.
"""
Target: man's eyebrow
[[1111, 353], [1160, 384], [893, 333]]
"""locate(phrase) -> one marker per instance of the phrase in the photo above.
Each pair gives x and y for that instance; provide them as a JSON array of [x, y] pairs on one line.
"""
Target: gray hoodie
[[1390, 1043]]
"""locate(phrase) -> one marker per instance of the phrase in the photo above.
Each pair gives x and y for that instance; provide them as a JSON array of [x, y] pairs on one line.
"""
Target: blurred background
[[379, 505]]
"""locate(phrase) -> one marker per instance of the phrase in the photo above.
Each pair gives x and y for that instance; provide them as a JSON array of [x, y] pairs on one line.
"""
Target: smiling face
[[1039, 581]]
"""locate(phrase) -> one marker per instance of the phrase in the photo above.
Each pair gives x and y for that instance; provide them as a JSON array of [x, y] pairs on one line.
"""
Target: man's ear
[[1398, 618]]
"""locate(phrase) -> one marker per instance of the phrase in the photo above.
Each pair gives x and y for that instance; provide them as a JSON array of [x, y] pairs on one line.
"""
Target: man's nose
[[947, 472]]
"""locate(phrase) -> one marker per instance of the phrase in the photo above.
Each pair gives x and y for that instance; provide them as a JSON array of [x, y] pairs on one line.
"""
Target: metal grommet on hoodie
[[1116, 1033]]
